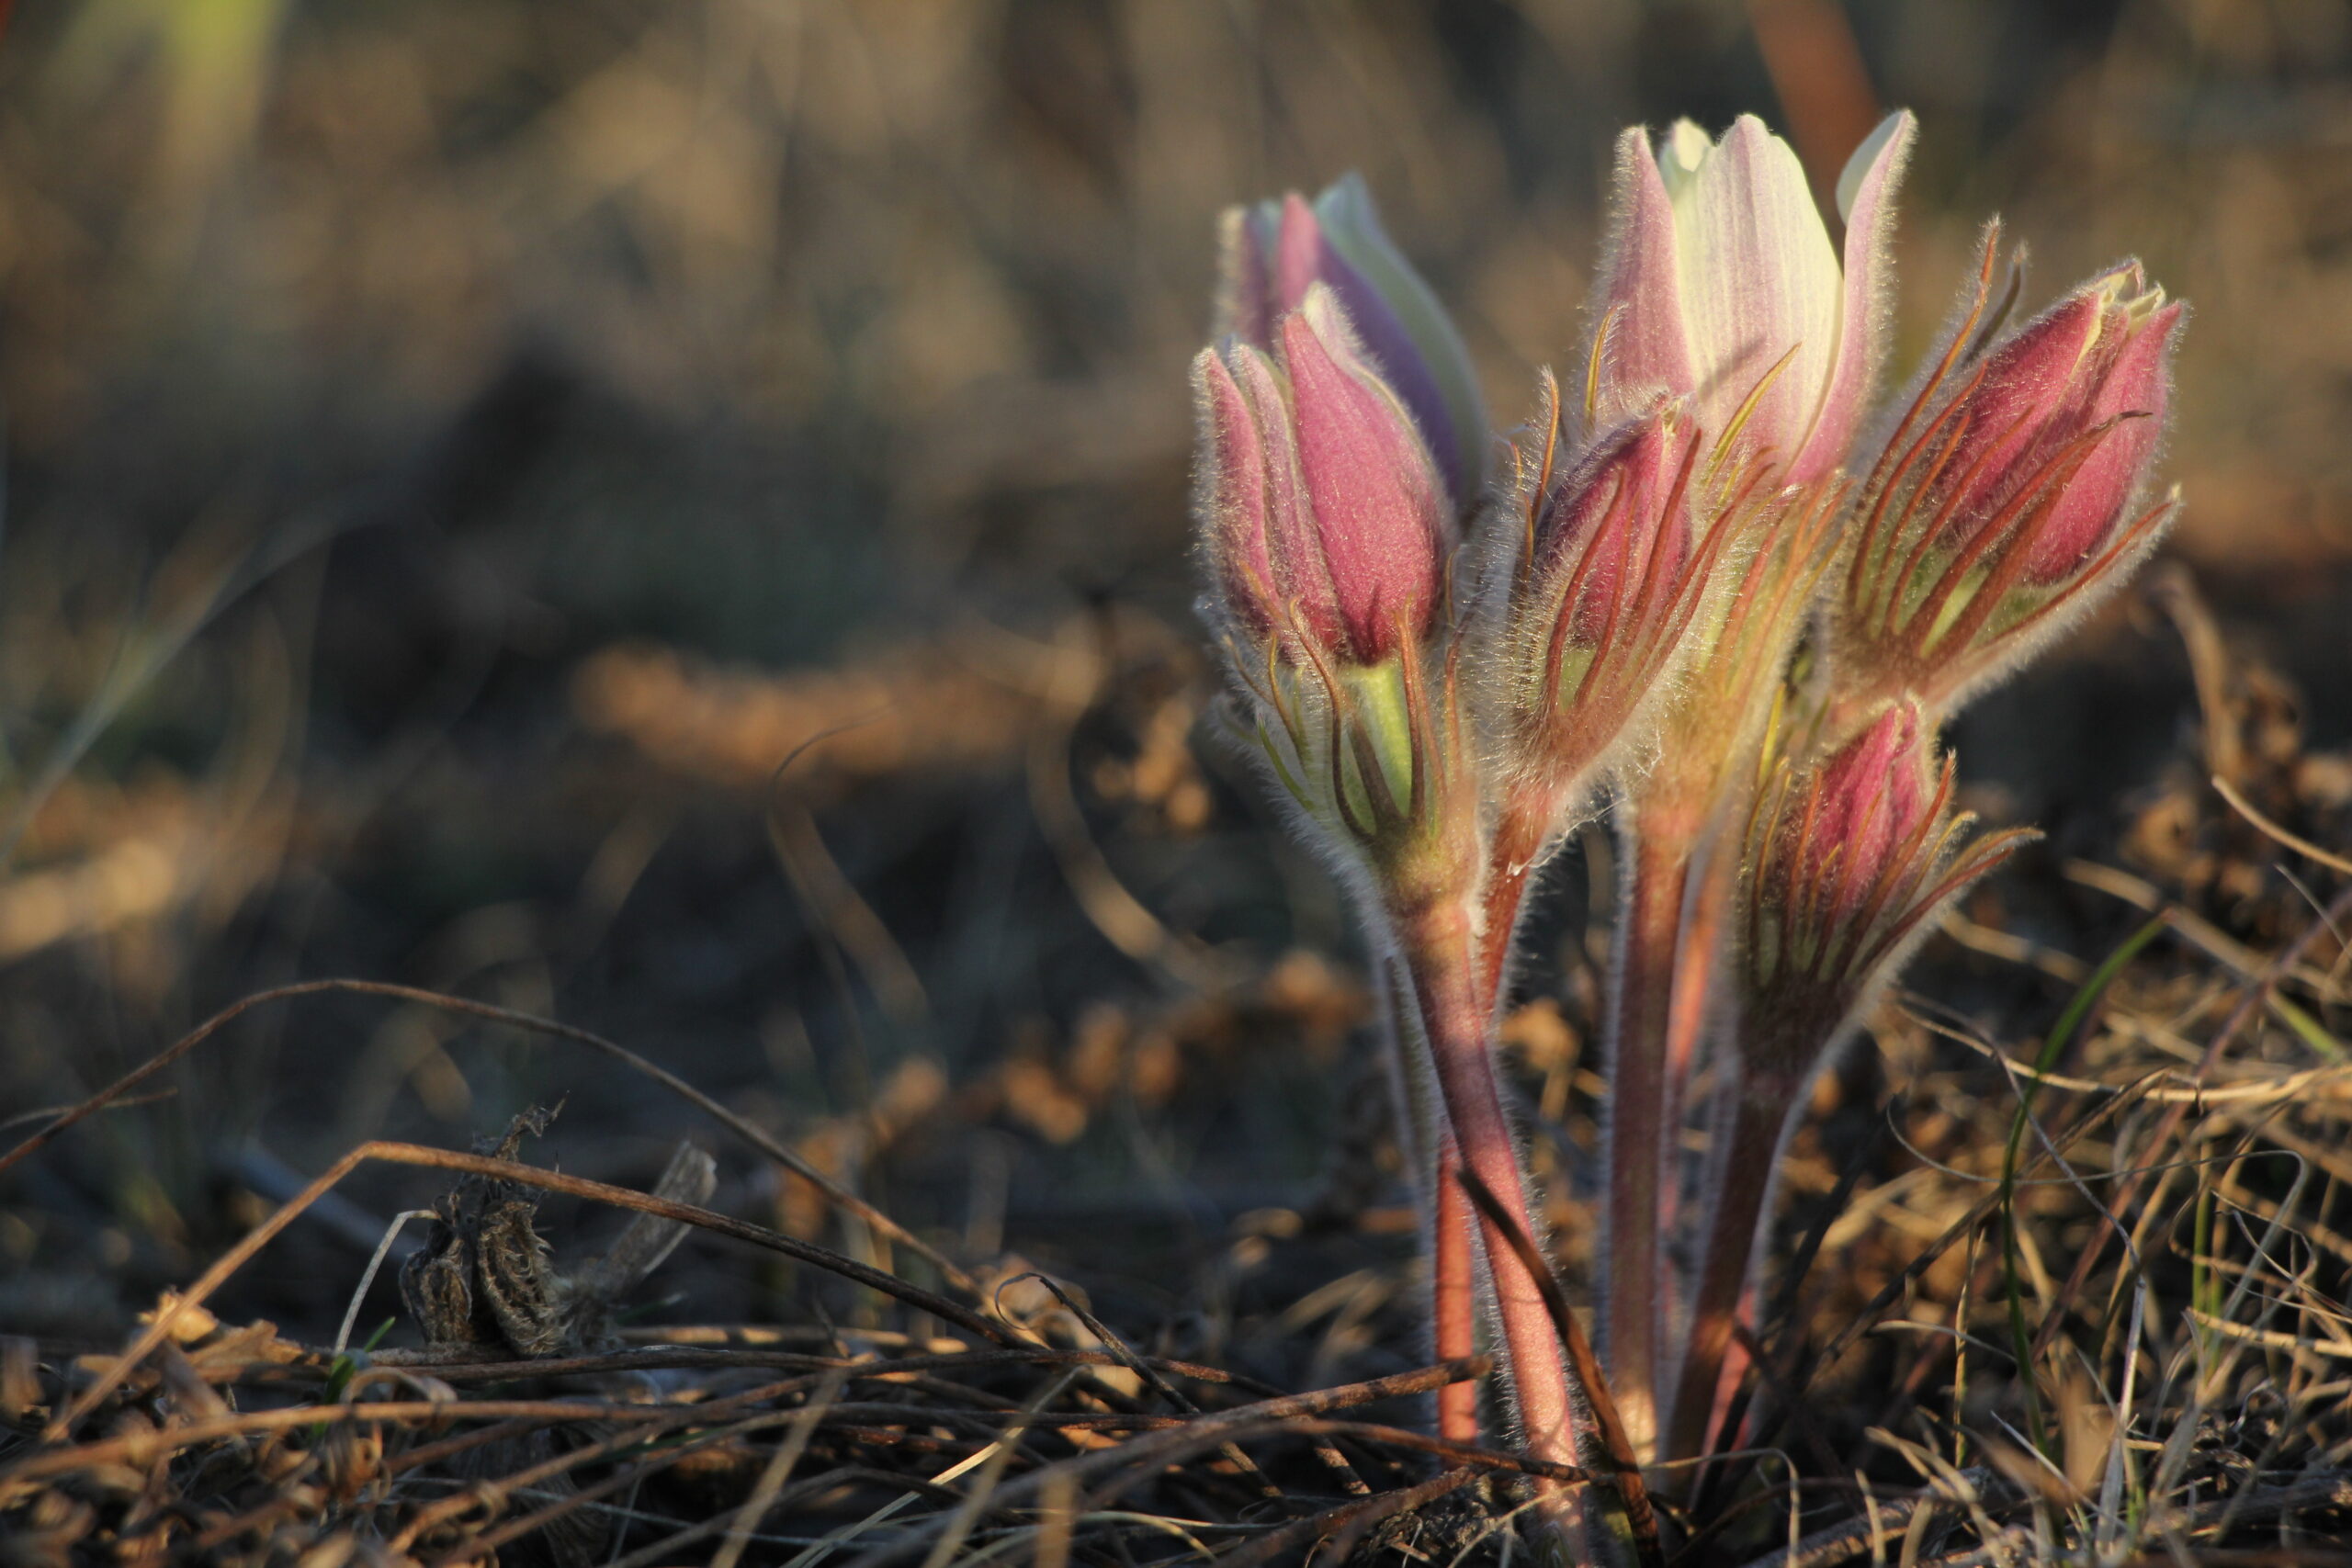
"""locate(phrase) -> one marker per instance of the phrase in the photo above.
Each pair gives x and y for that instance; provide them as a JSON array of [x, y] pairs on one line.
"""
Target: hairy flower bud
[[1323, 511], [1611, 569], [2009, 492], [1864, 803], [1273, 254], [1619, 523], [1848, 859], [1720, 283], [2092, 372]]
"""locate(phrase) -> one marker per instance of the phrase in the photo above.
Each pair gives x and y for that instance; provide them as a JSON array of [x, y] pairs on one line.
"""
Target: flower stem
[[1457, 1017], [1444, 1211], [1637, 1137], [1711, 883], [1516, 850], [1744, 1168], [1452, 1296]]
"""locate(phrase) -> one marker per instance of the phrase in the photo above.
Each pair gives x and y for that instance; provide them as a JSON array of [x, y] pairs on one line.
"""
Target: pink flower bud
[[1274, 254], [1864, 805], [2007, 494], [2059, 434], [1582, 611], [1616, 525], [1250, 489], [1851, 858], [1323, 511]]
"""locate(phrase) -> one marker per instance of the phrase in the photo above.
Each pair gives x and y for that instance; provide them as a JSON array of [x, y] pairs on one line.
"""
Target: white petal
[[1686, 148], [1758, 279], [1689, 144]]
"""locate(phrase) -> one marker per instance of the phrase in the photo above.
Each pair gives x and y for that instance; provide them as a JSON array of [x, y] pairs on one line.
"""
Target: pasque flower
[[2010, 492], [1705, 594], [1270, 254], [1613, 533], [1849, 858], [2090, 374], [1719, 282], [1328, 525], [1838, 838]]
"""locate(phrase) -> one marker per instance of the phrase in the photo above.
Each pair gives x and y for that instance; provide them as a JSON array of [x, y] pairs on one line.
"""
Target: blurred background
[[674, 517]]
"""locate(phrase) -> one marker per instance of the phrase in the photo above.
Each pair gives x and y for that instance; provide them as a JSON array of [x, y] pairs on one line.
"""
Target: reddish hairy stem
[[1711, 882], [1436, 939], [1718, 881], [1453, 1296], [1636, 1136], [1445, 1210], [1751, 1144], [1517, 849], [1658, 1014]]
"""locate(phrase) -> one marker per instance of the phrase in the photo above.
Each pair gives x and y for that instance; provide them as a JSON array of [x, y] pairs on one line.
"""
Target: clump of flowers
[[1445, 674]]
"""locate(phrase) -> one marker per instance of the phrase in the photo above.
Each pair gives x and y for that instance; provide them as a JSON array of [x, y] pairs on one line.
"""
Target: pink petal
[[1456, 419], [2105, 488], [1234, 495], [1866, 800], [1298, 253], [1302, 575], [1305, 257], [1622, 487], [1378, 504], [1866, 198], [1637, 298], [2027, 402], [2039, 375]]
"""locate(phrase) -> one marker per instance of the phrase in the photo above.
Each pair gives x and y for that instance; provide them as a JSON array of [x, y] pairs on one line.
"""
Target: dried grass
[[2190, 1396], [869, 282]]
